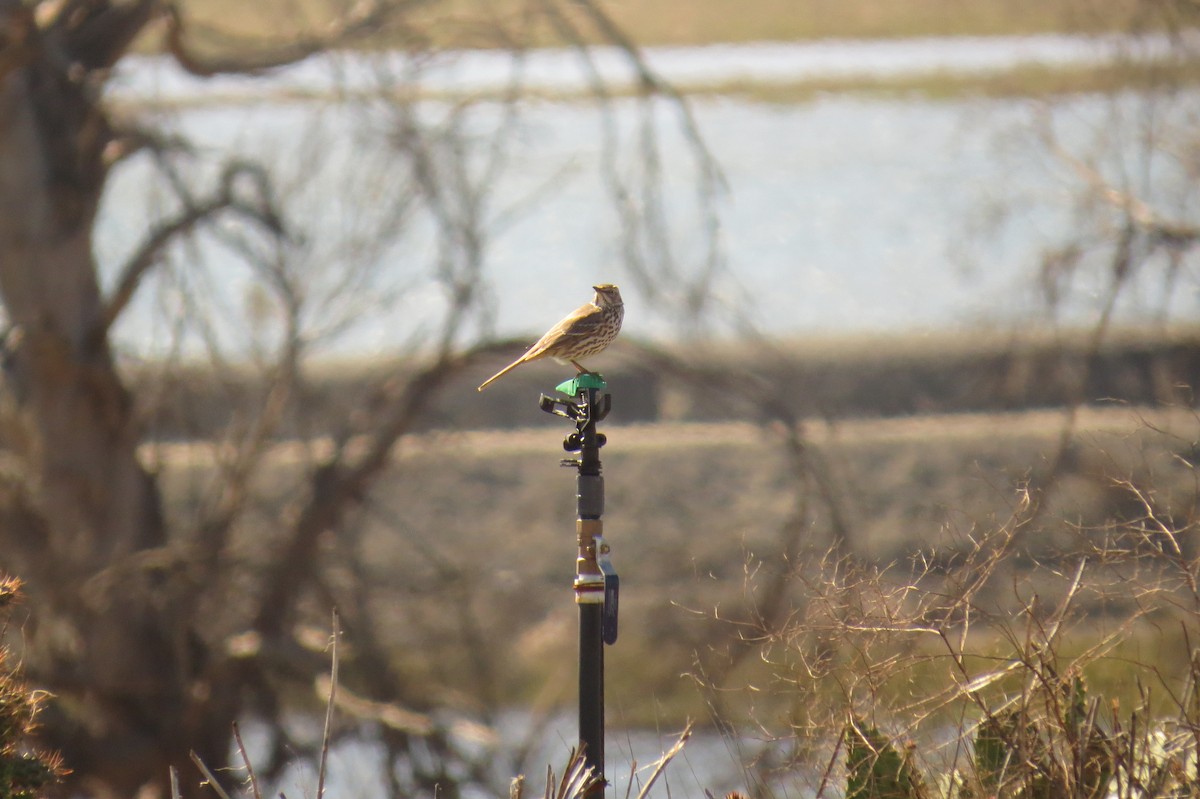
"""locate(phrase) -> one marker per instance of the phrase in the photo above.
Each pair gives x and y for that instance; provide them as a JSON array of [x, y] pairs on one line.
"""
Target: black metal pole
[[596, 582], [589, 593]]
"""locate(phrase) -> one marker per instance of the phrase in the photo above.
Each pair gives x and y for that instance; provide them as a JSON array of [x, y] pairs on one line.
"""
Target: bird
[[584, 332]]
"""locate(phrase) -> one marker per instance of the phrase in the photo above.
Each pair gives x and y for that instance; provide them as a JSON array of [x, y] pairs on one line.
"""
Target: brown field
[[473, 23], [924, 456], [219, 25], [830, 378]]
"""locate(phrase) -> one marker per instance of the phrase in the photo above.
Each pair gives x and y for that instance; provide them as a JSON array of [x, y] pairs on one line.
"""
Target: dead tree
[[122, 595]]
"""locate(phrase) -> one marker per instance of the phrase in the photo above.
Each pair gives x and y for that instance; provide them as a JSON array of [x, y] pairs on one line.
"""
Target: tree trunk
[[107, 634]]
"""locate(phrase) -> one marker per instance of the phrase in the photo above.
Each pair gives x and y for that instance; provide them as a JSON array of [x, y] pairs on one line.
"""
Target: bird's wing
[[583, 321]]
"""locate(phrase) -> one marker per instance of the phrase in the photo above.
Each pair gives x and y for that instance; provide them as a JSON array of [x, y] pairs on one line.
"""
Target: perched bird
[[586, 331]]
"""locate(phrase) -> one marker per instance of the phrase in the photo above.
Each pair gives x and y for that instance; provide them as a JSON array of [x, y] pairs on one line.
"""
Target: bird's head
[[607, 295]]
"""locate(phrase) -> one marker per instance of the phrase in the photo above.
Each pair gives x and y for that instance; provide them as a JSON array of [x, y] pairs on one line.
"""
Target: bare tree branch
[[224, 198], [341, 482], [648, 251], [1140, 213], [164, 648], [96, 35]]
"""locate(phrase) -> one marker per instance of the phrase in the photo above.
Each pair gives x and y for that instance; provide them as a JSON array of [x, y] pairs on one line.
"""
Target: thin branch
[[664, 760], [646, 249], [340, 482], [98, 34], [333, 683], [209, 777], [250, 776], [148, 255], [1137, 211], [712, 180]]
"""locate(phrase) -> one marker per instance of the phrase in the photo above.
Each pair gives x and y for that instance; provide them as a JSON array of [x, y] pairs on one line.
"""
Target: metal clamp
[[612, 590]]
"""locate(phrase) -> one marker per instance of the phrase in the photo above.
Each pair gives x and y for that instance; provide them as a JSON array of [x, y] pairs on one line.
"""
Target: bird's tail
[[501, 373]]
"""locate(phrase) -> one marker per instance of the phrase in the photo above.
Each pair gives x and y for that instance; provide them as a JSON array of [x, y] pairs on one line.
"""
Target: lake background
[[841, 214]]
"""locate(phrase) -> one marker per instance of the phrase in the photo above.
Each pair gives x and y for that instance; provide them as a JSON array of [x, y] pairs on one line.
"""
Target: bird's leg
[[582, 369]]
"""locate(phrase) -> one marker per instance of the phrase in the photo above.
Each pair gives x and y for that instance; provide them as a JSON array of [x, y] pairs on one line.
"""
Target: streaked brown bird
[[586, 331]]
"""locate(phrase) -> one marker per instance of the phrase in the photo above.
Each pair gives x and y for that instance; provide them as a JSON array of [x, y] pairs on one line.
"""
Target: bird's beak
[[595, 288]]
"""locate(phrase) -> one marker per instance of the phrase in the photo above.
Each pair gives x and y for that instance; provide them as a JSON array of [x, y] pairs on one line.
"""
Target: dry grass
[[836, 378], [463, 23], [1033, 81], [701, 21], [975, 583], [693, 514], [1029, 699], [220, 25], [464, 551]]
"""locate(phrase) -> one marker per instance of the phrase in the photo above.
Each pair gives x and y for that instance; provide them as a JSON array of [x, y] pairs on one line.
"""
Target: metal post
[[589, 592], [596, 582]]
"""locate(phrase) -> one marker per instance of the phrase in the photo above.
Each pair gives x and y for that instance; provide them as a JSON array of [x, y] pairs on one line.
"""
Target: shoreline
[[771, 69], [830, 381]]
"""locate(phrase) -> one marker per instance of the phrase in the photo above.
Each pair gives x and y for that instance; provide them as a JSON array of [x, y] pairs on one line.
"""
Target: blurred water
[[707, 762], [158, 78], [843, 214]]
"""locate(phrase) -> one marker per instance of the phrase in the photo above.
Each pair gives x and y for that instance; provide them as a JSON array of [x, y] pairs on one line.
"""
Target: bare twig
[[339, 483], [97, 35], [333, 681], [577, 779], [661, 764], [224, 198], [209, 777], [1134, 208], [250, 776]]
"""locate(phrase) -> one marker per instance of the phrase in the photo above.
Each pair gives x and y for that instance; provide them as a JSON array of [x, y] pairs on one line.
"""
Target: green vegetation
[[875, 767], [1034, 748]]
